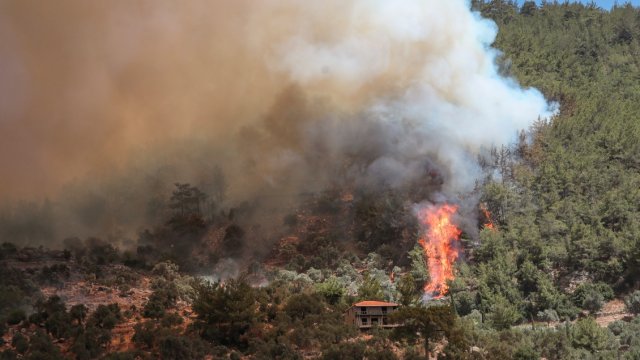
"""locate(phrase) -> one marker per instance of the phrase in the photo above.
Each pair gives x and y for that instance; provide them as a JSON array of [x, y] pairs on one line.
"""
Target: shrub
[[526, 353], [225, 313], [548, 316], [145, 334], [180, 347], [59, 324], [8, 355], [345, 351], [163, 297], [586, 334], [129, 355], [593, 302], [106, 316], [616, 327], [170, 320], [41, 347], [589, 292], [503, 314], [16, 316], [90, 343], [633, 302], [301, 305], [20, 343], [331, 290], [380, 354], [78, 312]]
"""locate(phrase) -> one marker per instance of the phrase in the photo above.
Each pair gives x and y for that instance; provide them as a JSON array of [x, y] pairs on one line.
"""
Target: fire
[[487, 214], [440, 248]]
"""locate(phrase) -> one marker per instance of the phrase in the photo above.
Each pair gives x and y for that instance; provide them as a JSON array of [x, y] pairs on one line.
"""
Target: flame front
[[440, 248]]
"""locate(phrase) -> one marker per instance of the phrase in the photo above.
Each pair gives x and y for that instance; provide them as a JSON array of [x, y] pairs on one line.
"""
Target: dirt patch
[[612, 311]]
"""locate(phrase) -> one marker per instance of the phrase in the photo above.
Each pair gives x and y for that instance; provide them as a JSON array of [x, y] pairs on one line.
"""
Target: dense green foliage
[[566, 196], [569, 199]]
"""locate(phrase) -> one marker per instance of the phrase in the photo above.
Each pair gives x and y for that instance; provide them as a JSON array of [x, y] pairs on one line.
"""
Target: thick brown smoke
[[285, 96], [85, 86]]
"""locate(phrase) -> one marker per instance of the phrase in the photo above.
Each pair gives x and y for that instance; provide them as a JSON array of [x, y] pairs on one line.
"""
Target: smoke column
[[284, 95]]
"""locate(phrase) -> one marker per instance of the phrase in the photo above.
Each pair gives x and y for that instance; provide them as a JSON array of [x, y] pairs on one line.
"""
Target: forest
[[555, 276]]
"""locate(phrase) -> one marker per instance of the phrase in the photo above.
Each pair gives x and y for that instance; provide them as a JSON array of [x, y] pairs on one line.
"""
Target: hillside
[[539, 258]]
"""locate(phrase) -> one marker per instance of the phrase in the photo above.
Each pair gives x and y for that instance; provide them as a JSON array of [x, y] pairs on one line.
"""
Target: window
[[365, 321], [385, 321], [384, 310], [374, 321], [363, 310]]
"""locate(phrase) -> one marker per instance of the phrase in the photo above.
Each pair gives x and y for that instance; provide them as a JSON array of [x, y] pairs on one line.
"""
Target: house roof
[[374, 303]]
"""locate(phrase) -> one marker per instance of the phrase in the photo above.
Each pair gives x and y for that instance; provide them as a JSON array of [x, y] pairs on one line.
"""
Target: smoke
[[126, 97]]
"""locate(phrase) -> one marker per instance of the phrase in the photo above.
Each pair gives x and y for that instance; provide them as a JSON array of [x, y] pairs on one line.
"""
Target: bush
[[548, 316], [526, 353], [59, 324], [78, 312], [170, 320], [153, 309], [302, 305], [164, 297], [586, 334], [180, 347], [465, 302], [345, 351], [106, 316], [90, 342], [41, 347], [16, 316], [593, 302], [225, 313], [20, 343], [589, 292], [503, 314], [145, 334], [616, 327], [130, 355], [633, 302], [629, 334], [380, 354], [331, 290], [275, 350], [8, 355]]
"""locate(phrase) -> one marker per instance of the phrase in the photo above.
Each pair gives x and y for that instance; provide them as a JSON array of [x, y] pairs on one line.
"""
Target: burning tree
[[439, 243]]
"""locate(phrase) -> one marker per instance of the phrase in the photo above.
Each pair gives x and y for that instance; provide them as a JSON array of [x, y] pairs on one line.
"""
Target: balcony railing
[[373, 312]]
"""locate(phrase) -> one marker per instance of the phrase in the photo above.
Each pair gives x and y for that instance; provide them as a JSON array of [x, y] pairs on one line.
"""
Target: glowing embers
[[440, 243]]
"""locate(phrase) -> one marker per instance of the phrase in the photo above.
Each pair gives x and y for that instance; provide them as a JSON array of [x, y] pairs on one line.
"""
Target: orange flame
[[439, 244], [487, 214]]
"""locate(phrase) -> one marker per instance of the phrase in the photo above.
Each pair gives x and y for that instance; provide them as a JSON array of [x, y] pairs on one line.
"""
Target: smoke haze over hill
[[122, 98]]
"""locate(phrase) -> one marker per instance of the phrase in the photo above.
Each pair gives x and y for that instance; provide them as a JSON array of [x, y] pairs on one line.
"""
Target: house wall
[[373, 316]]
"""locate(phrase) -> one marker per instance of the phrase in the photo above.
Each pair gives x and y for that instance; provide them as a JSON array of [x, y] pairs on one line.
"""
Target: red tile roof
[[374, 303]]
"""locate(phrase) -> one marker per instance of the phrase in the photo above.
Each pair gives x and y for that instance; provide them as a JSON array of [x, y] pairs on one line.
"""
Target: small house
[[369, 314]]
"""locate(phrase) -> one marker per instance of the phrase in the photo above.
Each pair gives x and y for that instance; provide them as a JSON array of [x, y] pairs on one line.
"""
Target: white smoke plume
[[409, 81]]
